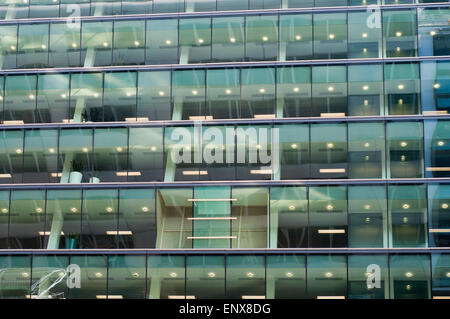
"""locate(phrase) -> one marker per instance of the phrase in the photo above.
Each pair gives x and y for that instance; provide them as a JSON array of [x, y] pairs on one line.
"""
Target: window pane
[[296, 37], [435, 87], [250, 210], [64, 45], [293, 92], [63, 219], [228, 5], [154, 96], [434, 31], [205, 277], [410, 276], [408, 215], [99, 219], [368, 277], [129, 42], [328, 216], [86, 102], [366, 147], [438, 207], [288, 217], [441, 275], [120, 97], [223, 93], [327, 276], [402, 87], [228, 39], [75, 151], [33, 46], [52, 98], [286, 277], [294, 151], [330, 36], [166, 277], [329, 91], [20, 98], [162, 40], [365, 90], [261, 38], [437, 137], [258, 98], [145, 161], [49, 276], [163, 6], [329, 150], [11, 143], [8, 46], [40, 163], [26, 230], [363, 41], [4, 218], [110, 154], [195, 40], [188, 94], [405, 149], [173, 211], [15, 279], [137, 7], [96, 42], [126, 277], [137, 218], [367, 216], [93, 279], [400, 33], [245, 276]]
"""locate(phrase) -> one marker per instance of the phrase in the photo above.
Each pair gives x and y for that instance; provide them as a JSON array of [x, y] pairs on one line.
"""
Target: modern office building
[[232, 149]]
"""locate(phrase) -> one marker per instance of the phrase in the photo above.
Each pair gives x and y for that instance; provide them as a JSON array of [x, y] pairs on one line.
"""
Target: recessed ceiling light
[[296, 89], [4, 210], [330, 207], [409, 274], [265, 38], [444, 205], [144, 209], [211, 274], [109, 209], [232, 40], [403, 143], [436, 85], [200, 40], [73, 209], [364, 35], [289, 274], [173, 274], [228, 91], [331, 36], [330, 145], [291, 207], [400, 86], [298, 37], [137, 43], [168, 42], [328, 274], [432, 33], [367, 207], [294, 146], [365, 87], [250, 275], [398, 34], [406, 206], [330, 88], [98, 275]]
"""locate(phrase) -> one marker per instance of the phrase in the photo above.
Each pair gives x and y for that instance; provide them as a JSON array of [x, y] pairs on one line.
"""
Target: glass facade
[[222, 149]]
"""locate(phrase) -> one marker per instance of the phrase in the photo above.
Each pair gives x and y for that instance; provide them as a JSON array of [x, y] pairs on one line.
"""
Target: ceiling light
[[180, 297], [398, 34], [331, 36], [364, 35], [95, 95], [365, 87], [298, 37], [228, 91], [109, 209], [135, 275], [211, 274], [292, 207], [31, 96], [105, 44], [264, 116], [367, 220], [232, 40], [250, 275], [63, 96], [13, 47], [444, 205], [328, 274], [191, 173], [168, 42], [74, 45], [265, 38], [19, 151], [119, 232], [409, 274], [109, 296], [136, 43], [403, 143], [289, 274], [330, 145], [25, 275], [73, 209], [440, 143], [119, 149], [365, 50], [38, 210], [405, 220], [436, 85], [98, 275], [43, 47], [294, 146], [397, 49], [406, 206], [4, 210], [261, 171], [367, 207], [144, 209], [262, 91], [447, 275], [85, 149], [331, 231], [51, 150], [194, 92], [432, 33], [153, 148], [400, 86], [367, 144], [296, 89], [173, 274], [330, 207], [5, 175], [330, 89], [200, 40]]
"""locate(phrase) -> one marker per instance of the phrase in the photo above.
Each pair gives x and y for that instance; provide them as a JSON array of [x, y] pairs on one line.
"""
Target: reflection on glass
[[93, 279], [245, 277], [166, 277], [327, 276], [410, 276], [126, 277], [286, 277], [368, 277], [205, 277]]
